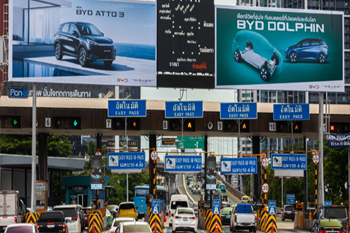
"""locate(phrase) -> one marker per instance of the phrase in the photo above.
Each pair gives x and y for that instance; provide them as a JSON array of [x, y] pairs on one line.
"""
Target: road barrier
[[32, 217], [271, 225], [215, 225], [209, 216], [95, 222], [263, 220], [155, 223]]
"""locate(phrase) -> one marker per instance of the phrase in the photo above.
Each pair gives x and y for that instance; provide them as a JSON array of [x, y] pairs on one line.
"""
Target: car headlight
[[92, 42]]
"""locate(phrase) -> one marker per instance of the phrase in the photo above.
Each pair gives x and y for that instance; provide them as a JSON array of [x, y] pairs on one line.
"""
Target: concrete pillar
[[43, 153], [256, 179], [99, 141]]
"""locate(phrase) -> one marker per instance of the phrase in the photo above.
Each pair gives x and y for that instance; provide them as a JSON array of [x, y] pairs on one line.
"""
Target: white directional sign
[[265, 188], [272, 126], [265, 162], [316, 159], [154, 155]]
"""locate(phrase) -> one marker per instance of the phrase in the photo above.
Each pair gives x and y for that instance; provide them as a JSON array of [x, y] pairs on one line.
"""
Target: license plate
[[228, 216], [50, 226], [107, 51], [141, 212], [185, 219]]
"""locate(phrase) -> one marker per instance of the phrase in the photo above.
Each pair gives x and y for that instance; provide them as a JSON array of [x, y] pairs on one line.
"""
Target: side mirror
[[102, 33], [75, 33], [230, 212]]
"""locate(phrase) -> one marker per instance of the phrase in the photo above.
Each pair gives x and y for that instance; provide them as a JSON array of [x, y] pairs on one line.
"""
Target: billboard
[[83, 42], [279, 49]]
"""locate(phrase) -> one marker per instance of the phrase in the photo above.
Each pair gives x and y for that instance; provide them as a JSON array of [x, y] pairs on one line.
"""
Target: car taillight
[[342, 231], [176, 217], [75, 218], [37, 226], [15, 219], [64, 227], [322, 231], [235, 218], [51, 223], [285, 211], [256, 218]]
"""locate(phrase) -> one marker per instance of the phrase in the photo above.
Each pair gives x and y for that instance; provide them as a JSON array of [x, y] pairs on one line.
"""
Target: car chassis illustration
[[267, 68]]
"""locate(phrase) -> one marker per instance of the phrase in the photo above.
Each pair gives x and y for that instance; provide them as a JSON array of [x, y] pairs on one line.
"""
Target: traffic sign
[[155, 206], [290, 112], [18, 92], [184, 109], [108, 123], [238, 111], [316, 159], [327, 202], [154, 155], [216, 206], [127, 108], [47, 122], [126, 160], [239, 165], [183, 163], [290, 199], [272, 207], [288, 161], [265, 188], [98, 153], [265, 162]]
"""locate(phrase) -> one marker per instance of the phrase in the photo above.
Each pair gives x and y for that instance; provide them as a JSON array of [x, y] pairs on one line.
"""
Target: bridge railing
[[229, 187]]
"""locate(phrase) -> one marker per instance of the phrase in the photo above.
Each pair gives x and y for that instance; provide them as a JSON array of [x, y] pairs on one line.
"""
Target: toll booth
[[78, 190], [41, 195]]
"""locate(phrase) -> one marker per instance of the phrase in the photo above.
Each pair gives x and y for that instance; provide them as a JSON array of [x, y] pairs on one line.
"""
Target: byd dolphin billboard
[[279, 49]]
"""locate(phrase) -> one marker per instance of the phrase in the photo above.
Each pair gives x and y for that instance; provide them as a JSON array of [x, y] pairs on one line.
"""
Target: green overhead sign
[[191, 142]]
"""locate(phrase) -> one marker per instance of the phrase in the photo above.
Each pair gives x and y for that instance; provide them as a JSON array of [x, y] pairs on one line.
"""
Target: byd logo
[[124, 80], [314, 86]]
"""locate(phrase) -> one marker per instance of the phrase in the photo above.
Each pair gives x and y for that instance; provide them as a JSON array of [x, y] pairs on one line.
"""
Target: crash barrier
[[209, 216], [231, 189], [215, 225], [32, 217], [271, 224], [95, 222], [155, 223], [263, 220]]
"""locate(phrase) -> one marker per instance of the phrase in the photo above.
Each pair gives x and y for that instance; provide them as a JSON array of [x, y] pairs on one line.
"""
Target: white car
[[117, 221], [22, 227], [185, 220], [133, 227], [74, 217]]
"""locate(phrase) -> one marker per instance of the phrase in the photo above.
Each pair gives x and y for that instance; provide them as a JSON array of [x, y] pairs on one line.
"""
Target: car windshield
[[336, 213], [136, 228], [222, 186], [226, 210], [87, 29], [289, 208], [67, 212], [126, 206], [110, 207], [20, 229], [176, 204], [185, 211], [117, 222]]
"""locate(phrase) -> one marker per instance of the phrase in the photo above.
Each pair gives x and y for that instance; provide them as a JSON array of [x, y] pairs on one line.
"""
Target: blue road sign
[[216, 206], [290, 112], [183, 163], [238, 111], [272, 207], [18, 92], [155, 206], [290, 199], [126, 160], [126, 108], [288, 161], [184, 109], [216, 197], [327, 202], [338, 140], [239, 165]]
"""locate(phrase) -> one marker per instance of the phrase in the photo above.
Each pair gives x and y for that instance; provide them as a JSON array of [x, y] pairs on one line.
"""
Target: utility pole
[[320, 195]]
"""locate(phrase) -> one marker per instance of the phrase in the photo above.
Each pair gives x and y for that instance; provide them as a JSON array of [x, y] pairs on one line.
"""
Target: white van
[[177, 201]]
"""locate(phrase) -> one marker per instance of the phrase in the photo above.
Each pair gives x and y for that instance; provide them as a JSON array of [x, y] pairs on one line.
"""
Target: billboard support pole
[[320, 150], [33, 195], [126, 146]]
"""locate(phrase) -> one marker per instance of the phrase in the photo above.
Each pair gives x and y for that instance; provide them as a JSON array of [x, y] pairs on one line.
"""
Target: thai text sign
[[126, 160], [238, 111], [238, 165], [183, 163], [338, 140], [126, 108], [184, 109], [288, 161], [289, 112]]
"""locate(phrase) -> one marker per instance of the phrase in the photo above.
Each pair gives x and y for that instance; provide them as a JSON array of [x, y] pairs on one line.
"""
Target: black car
[[226, 215], [84, 41], [288, 212]]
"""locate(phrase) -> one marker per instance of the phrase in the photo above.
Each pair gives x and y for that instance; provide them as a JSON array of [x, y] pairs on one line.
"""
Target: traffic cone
[[93, 227], [216, 227], [155, 226], [272, 229]]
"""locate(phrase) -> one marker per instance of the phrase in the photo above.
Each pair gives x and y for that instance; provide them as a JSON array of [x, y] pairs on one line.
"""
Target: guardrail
[[231, 189]]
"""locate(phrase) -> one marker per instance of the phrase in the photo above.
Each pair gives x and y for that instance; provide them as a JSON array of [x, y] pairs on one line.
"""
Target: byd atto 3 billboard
[[99, 42], [279, 49]]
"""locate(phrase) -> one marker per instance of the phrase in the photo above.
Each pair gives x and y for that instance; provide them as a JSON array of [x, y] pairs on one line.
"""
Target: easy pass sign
[[154, 155], [265, 188]]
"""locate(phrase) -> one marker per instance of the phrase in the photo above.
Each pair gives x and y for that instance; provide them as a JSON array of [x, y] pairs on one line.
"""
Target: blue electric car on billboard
[[308, 49]]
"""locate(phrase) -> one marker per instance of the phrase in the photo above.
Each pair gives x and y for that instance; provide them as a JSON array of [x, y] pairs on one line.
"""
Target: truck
[[52, 221], [243, 218], [12, 208]]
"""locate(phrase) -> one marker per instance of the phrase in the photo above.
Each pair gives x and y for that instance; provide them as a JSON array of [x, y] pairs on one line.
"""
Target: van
[[175, 202]]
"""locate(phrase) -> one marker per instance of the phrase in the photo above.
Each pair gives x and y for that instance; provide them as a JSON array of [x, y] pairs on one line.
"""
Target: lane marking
[[168, 230], [199, 231], [183, 181]]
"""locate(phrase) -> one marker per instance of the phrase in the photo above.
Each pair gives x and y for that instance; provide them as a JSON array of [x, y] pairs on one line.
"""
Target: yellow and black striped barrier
[[215, 224], [208, 219], [32, 217], [263, 220], [95, 222], [271, 225], [155, 223]]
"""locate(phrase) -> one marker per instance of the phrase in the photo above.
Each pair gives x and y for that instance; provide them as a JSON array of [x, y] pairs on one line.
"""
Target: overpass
[[93, 116]]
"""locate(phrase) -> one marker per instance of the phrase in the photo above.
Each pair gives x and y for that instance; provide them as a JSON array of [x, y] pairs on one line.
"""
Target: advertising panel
[[210, 180], [83, 42], [279, 49]]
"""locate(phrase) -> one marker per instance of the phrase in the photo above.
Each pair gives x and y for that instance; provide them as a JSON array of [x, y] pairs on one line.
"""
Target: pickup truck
[[243, 217], [51, 221], [12, 209]]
